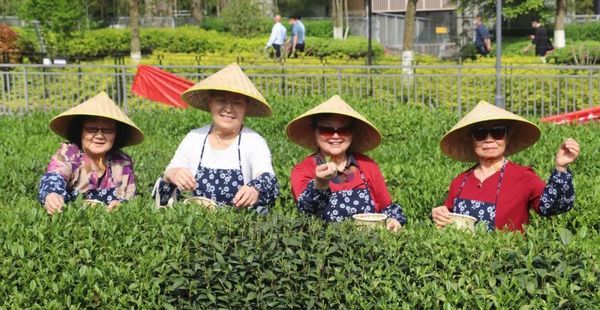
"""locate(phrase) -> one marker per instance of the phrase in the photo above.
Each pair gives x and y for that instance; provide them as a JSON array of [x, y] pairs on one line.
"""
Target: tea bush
[[184, 258]]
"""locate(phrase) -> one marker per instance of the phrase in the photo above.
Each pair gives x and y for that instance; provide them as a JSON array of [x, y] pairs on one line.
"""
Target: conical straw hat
[[100, 105], [458, 143], [231, 79], [365, 137]]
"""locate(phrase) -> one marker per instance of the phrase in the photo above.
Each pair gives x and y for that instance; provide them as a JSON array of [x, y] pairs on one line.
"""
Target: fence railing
[[528, 90]]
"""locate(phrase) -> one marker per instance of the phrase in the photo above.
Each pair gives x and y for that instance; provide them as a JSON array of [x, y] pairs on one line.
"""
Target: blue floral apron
[[483, 211], [220, 185], [345, 203]]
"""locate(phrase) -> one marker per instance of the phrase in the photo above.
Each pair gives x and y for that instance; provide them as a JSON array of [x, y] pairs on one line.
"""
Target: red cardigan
[[520, 191], [304, 172]]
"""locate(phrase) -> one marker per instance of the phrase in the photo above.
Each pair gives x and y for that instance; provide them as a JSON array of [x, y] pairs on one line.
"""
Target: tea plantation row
[[183, 257]]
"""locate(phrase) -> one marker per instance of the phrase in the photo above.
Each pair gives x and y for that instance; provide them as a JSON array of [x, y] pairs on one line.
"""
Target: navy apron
[[483, 211], [220, 185], [345, 203]]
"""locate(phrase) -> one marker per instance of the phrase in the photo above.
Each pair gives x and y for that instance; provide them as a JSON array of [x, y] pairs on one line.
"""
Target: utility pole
[[499, 99], [369, 27]]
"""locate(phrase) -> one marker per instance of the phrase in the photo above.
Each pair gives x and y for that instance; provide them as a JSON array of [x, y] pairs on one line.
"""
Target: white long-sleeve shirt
[[278, 35]]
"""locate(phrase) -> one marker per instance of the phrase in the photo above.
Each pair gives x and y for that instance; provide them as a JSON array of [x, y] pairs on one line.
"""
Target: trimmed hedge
[[589, 31], [103, 42], [580, 53], [186, 258], [320, 28]]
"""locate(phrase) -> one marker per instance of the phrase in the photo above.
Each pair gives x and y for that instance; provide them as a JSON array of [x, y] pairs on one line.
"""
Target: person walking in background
[[278, 36], [298, 34], [540, 39], [483, 44]]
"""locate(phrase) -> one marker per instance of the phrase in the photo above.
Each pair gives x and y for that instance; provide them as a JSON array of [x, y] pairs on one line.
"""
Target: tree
[[559, 24], [339, 9], [197, 11], [60, 16], [409, 35], [134, 22], [510, 9], [240, 21]]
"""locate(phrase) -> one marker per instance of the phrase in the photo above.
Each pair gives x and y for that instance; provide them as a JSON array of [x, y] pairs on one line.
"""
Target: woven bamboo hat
[[100, 105], [365, 135], [231, 79], [458, 144]]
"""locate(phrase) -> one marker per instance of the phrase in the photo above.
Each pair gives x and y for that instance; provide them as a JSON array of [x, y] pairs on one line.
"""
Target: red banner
[[581, 116], [158, 85]]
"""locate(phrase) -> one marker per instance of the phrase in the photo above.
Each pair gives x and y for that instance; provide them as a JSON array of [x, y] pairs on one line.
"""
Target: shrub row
[[320, 28], [580, 53], [185, 258], [588, 31], [103, 42]]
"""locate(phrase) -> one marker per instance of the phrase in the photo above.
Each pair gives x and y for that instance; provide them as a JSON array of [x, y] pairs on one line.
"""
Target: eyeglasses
[[330, 131], [94, 130], [498, 133]]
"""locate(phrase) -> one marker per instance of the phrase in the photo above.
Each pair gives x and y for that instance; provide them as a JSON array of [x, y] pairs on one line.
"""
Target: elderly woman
[[496, 191], [224, 161], [337, 180], [91, 163]]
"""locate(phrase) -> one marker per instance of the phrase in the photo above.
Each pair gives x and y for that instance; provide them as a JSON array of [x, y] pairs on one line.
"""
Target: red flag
[[158, 85], [581, 116]]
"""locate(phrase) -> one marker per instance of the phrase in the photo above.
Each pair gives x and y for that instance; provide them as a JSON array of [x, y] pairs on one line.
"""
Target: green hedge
[[102, 42], [589, 31], [184, 258], [581, 53], [320, 28]]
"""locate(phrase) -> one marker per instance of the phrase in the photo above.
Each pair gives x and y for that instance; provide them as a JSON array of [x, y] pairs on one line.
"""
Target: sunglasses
[[330, 131], [497, 133], [106, 131]]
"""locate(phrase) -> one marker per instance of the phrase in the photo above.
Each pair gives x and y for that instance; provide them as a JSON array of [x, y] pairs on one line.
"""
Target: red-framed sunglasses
[[330, 131], [497, 133]]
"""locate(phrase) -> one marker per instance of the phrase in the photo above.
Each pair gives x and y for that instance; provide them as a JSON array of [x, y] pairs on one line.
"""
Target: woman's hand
[[324, 173], [245, 197], [393, 225], [54, 203], [441, 216], [181, 177], [113, 205], [567, 153]]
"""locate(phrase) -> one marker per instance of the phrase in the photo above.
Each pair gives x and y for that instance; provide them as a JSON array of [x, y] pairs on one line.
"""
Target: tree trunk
[[197, 11], [134, 19], [409, 25], [409, 36], [150, 8], [337, 16], [559, 26]]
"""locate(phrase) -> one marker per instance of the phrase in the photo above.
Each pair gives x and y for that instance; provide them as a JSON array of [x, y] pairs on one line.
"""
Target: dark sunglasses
[[96, 129], [498, 133], [330, 131]]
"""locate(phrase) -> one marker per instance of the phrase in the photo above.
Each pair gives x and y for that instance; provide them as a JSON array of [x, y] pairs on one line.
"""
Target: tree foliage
[[243, 17], [60, 16], [510, 8]]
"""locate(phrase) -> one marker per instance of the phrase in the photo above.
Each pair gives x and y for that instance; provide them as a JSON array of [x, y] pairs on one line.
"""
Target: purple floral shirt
[[71, 172]]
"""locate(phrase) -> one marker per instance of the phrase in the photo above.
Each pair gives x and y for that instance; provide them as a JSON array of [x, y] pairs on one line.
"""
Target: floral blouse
[[71, 173]]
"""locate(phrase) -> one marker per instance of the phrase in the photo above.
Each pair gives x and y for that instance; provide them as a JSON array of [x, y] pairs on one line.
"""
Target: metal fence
[[388, 29], [529, 90]]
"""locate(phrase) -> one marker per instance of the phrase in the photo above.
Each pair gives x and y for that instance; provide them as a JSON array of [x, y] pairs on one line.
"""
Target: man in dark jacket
[[540, 40], [482, 37]]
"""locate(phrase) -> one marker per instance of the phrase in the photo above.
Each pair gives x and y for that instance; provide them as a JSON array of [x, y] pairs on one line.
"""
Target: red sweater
[[520, 191], [304, 172]]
